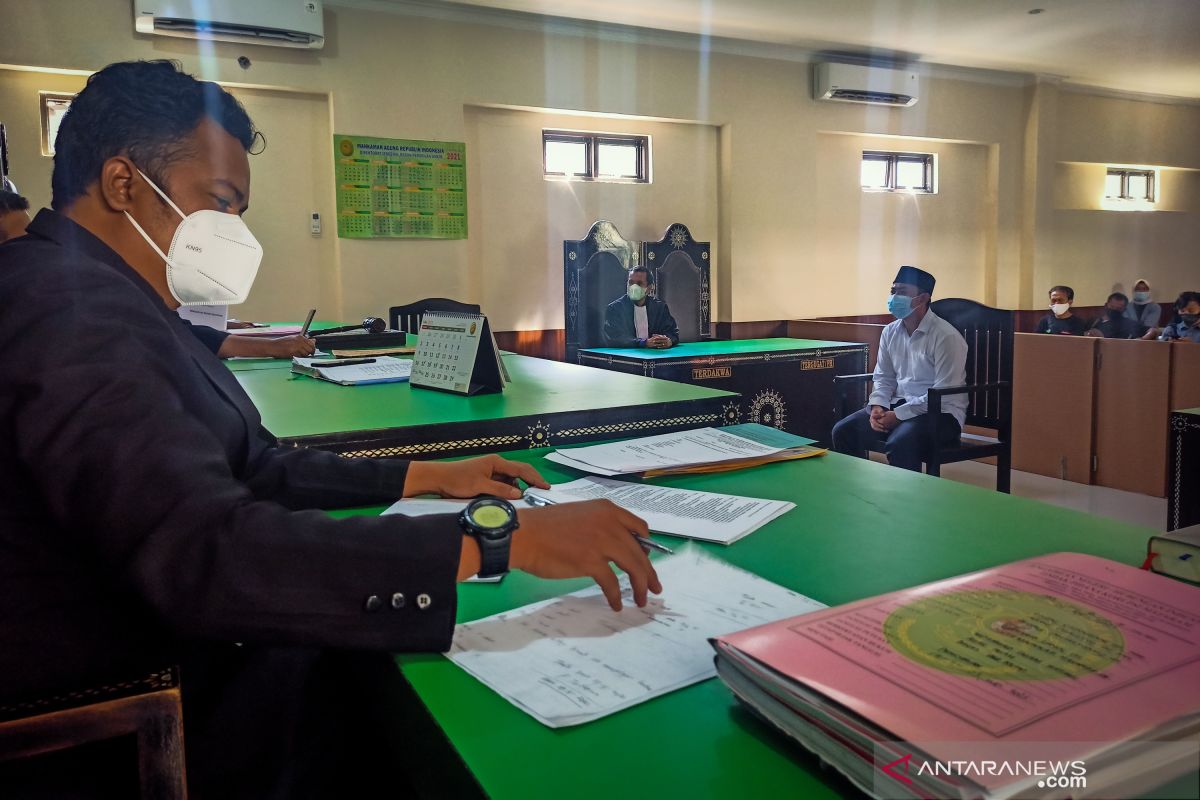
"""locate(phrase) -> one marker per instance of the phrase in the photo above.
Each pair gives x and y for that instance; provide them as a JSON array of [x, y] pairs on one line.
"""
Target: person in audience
[[14, 215], [1060, 319], [639, 319], [1113, 324], [917, 352], [1186, 325], [1142, 309], [146, 516]]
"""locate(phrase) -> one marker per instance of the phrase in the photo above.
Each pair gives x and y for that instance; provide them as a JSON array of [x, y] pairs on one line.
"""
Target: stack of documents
[[707, 516], [1061, 676], [573, 659], [695, 451], [383, 369]]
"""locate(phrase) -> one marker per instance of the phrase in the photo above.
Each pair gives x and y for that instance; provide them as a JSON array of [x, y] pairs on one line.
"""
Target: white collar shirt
[[935, 355]]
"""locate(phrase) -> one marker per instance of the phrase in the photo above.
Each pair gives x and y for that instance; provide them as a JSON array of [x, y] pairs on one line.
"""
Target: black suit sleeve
[[210, 337], [666, 324], [619, 331], [143, 486]]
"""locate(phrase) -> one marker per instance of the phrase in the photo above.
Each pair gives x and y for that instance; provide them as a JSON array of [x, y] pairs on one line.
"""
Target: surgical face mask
[[1116, 313], [1059, 308], [636, 292], [1141, 297], [213, 257], [1190, 319], [899, 305]]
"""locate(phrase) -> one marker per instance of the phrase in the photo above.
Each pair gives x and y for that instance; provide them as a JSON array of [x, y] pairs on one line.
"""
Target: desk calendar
[[400, 188], [457, 353]]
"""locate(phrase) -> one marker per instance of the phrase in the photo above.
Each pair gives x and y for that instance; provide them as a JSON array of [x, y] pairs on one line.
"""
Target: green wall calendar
[[400, 188]]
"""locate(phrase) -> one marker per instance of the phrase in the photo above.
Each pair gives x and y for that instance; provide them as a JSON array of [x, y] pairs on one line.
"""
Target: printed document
[[708, 516], [573, 659], [701, 446]]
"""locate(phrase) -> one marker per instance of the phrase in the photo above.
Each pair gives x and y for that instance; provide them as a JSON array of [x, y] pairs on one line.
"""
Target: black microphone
[[369, 324]]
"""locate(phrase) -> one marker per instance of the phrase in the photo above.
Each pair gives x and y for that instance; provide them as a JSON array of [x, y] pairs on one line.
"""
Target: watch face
[[490, 515]]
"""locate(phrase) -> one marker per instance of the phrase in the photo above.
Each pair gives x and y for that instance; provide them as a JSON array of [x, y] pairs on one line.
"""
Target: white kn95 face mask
[[213, 258]]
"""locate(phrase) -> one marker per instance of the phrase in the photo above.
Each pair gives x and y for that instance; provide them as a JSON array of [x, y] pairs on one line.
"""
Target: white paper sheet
[[572, 659], [382, 369], [711, 517], [700, 446]]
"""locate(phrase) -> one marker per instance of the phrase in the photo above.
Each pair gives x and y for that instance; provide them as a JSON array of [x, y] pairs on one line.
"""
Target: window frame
[[1125, 173], [44, 100], [592, 143], [893, 158]]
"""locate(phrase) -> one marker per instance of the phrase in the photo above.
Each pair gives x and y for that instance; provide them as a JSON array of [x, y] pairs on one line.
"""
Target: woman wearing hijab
[[1140, 309]]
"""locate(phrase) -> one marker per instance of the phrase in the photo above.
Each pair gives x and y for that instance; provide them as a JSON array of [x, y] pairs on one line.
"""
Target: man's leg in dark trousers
[[908, 443], [853, 435]]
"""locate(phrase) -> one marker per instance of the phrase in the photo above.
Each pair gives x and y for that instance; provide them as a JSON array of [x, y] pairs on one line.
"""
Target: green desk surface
[[295, 406], [719, 348], [1193, 411], [860, 528]]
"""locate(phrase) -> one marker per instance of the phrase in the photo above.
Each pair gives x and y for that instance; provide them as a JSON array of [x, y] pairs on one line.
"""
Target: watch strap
[[493, 555]]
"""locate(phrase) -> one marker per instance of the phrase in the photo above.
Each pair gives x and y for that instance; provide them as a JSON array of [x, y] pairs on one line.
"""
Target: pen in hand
[[647, 544]]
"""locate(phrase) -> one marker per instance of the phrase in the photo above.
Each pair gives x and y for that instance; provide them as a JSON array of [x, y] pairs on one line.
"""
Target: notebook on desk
[[1066, 658]]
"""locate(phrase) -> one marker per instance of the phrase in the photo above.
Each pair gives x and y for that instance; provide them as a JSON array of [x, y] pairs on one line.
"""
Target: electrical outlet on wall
[[315, 223]]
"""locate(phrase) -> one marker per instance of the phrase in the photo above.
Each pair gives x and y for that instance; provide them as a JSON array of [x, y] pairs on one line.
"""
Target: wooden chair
[[595, 272], [680, 266], [989, 335], [408, 318], [149, 708]]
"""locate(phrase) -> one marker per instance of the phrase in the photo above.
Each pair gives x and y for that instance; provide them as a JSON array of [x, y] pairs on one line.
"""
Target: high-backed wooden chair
[[595, 272], [148, 707], [408, 318], [989, 335], [680, 266]]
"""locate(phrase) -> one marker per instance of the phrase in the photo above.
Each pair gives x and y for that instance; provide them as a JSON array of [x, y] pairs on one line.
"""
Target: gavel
[[369, 324]]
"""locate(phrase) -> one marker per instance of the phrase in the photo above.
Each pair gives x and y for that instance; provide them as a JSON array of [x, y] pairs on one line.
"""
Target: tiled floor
[[1139, 509]]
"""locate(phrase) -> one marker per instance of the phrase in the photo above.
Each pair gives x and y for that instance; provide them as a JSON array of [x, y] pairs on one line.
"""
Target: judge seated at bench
[[637, 319], [917, 352]]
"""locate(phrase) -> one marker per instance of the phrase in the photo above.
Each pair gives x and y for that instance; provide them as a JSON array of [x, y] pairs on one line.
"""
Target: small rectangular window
[[1129, 184], [54, 107], [573, 155], [897, 172]]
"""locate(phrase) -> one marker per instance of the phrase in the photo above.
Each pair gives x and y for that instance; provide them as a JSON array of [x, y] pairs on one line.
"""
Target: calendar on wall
[[457, 353], [400, 188]]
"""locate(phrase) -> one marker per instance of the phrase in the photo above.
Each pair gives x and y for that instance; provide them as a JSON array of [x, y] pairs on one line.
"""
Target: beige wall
[[519, 219], [863, 235], [414, 77]]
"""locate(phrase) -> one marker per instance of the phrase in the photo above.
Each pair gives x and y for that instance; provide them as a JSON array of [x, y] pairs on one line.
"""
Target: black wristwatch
[[492, 522]]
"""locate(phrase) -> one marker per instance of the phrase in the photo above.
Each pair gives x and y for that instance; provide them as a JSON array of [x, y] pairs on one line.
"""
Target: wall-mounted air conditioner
[[854, 83], [280, 23]]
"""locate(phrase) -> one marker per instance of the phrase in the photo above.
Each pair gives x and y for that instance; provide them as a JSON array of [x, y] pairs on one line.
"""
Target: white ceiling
[[1144, 46]]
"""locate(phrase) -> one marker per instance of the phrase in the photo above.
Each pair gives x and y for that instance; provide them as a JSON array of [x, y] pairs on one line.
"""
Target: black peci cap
[[917, 277]]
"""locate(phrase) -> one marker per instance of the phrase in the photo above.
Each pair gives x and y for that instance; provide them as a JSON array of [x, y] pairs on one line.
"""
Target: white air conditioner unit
[[853, 83], [280, 23]]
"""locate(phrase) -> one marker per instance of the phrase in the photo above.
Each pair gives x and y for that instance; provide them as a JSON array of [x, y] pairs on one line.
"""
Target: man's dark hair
[[1117, 296], [143, 110], [1067, 290], [1185, 299], [11, 201], [640, 268]]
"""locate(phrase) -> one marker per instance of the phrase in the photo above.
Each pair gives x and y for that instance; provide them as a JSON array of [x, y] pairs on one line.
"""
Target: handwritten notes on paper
[[571, 659]]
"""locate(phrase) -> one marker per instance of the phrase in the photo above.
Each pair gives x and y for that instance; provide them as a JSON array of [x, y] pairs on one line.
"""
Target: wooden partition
[[1052, 405], [838, 332], [1185, 375], [1131, 408]]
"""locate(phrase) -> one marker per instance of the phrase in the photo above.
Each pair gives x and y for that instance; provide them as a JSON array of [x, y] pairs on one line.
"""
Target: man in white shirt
[[917, 352], [639, 319]]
